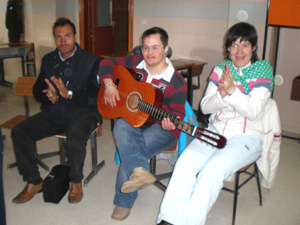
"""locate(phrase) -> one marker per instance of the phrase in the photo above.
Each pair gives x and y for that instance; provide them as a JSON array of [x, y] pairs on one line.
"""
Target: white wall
[[196, 29], [39, 16]]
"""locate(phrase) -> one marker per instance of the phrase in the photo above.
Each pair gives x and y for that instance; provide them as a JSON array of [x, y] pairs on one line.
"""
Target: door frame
[[83, 29]]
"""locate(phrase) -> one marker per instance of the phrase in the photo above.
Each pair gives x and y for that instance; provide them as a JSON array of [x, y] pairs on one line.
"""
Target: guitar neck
[[204, 135], [160, 115]]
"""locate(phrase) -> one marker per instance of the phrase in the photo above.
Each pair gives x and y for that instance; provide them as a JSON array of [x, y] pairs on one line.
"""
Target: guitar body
[[130, 91]]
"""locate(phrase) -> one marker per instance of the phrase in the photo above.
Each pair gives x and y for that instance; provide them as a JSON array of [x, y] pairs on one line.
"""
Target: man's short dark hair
[[246, 32], [62, 21], [157, 30]]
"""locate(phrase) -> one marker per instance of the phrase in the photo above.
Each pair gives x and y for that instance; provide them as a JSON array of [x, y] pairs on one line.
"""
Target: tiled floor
[[280, 205]]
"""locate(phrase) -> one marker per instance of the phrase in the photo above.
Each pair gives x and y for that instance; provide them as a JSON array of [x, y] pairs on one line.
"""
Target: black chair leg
[[42, 164], [157, 183], [153, 165], [27, 67], [12, 165], [112, 124], [62, 152], [34, 70], [95, 166], [236, 192], [258, 184], [238, 186]]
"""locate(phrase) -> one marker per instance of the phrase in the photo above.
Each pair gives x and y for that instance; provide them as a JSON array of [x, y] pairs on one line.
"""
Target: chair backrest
[[137, 50], [24, 86], [185, 139]]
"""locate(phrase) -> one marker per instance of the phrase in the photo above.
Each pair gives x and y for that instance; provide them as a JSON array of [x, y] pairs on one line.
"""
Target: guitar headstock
[[211, 138]]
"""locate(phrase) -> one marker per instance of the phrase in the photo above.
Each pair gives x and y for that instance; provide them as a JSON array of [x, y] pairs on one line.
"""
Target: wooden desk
[[183, 64], [12, 50]]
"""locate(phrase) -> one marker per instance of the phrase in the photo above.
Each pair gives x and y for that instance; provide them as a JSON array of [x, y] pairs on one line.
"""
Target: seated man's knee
[[120, 125]]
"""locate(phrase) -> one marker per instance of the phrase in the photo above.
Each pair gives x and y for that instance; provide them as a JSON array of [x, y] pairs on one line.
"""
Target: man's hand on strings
[[167, 124]]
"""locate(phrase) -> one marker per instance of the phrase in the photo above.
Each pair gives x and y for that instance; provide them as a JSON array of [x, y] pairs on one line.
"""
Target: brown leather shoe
[[120, 213], [139, 179], [75, 192], [28, 192]]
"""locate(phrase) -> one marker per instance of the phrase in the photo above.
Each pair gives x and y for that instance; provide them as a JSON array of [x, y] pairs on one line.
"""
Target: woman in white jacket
[[237, 92]]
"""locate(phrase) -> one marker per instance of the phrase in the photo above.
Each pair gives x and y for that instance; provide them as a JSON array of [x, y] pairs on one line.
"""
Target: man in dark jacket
[[67, 88]]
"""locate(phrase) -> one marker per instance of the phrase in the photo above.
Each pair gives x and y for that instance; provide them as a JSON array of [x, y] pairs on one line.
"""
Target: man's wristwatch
[[70, 94]]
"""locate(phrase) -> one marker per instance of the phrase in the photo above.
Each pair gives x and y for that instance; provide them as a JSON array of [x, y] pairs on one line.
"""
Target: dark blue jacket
[[79, 74]]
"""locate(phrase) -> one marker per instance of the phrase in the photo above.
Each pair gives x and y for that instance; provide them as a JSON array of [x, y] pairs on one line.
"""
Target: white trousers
[[198, 178]]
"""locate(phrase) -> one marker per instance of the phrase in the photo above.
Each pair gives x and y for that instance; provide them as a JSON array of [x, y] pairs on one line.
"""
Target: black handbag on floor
[[56, 184]]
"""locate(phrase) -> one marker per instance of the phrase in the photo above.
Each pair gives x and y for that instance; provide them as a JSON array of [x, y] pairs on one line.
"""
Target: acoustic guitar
[[139, 103]]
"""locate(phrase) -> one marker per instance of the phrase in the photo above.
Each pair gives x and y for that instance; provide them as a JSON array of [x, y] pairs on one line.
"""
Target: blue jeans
[[136, 146], [198, 177]]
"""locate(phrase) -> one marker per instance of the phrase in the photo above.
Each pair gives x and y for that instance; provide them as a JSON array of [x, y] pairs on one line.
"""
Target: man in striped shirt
[[137, 145]]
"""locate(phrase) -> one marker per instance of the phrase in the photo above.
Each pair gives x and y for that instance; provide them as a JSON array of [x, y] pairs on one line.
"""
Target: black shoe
[[164, 223]]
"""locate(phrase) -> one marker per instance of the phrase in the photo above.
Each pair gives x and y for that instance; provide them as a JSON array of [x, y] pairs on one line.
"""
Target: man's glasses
[[155, 48]]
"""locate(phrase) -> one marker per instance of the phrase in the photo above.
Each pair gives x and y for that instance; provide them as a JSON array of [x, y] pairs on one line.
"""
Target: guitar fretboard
[[160, 115], [204, 135]]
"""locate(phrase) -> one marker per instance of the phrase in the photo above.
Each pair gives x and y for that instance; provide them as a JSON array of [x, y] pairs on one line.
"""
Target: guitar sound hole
[[132, 101]]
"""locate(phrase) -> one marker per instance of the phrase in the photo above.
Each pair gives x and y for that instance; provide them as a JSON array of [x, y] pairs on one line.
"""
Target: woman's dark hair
[[62, 21], [157, 30], [246, 32]]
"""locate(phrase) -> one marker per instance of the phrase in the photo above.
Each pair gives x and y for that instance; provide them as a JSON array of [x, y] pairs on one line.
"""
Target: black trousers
[[40, 126]]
